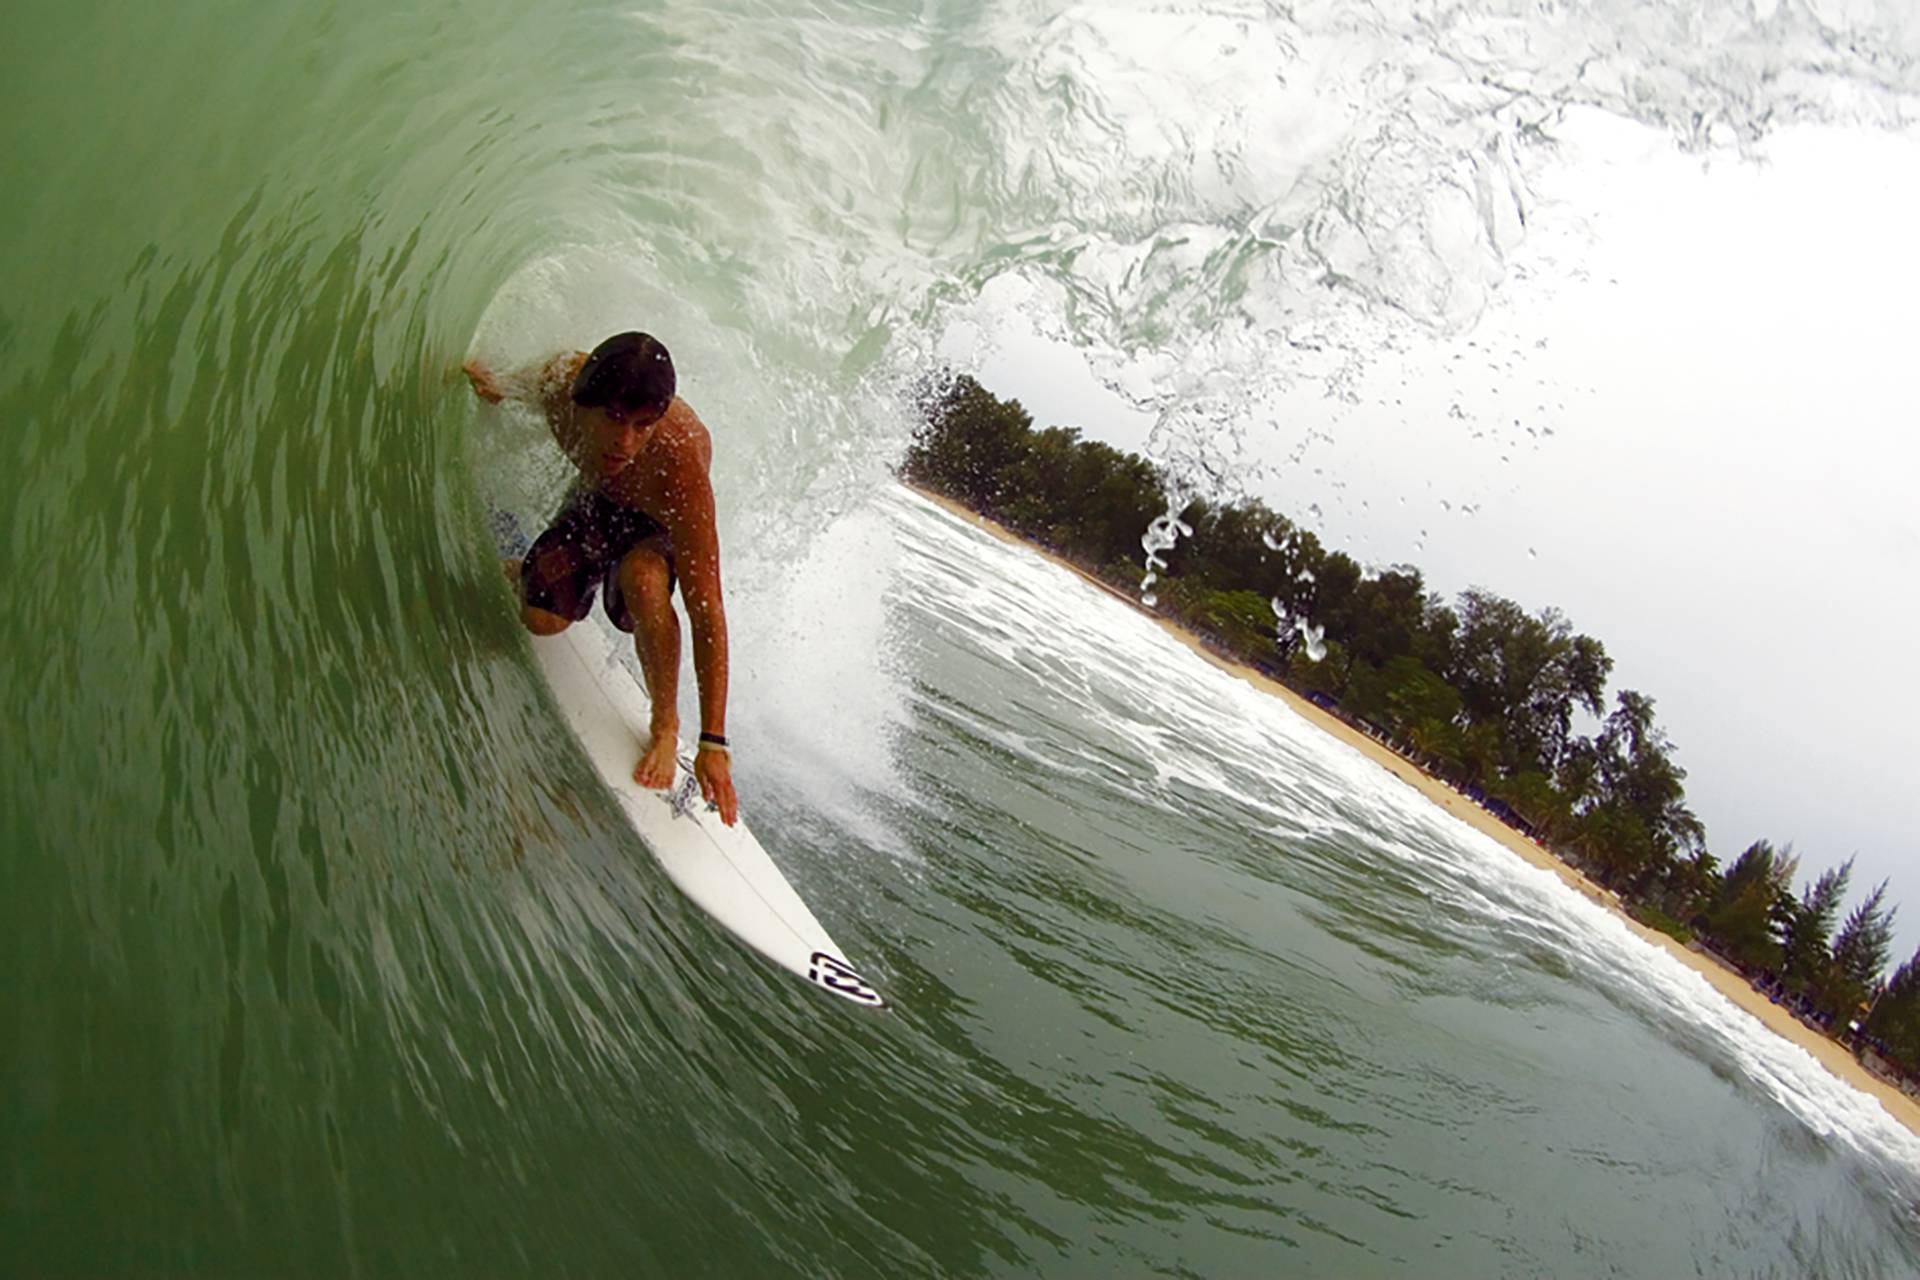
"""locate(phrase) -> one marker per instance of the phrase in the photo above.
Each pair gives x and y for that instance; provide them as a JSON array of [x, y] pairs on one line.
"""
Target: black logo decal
[[837, 976]]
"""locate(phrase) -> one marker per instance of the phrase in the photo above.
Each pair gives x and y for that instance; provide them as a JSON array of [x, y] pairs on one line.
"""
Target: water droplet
[[1532, 554], [1312, 638]]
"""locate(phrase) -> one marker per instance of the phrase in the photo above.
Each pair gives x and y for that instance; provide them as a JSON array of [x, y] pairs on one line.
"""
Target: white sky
[[1728, 359]]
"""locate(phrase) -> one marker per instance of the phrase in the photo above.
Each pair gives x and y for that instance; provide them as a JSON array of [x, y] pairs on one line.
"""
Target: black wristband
[[714, 739]]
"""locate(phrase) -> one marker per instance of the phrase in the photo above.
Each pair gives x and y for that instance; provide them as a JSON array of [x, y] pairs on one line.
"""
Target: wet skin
[[658, 464]]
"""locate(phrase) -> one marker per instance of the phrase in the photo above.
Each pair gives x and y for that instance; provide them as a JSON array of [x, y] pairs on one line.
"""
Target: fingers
[[719, 794], [482, 379], [716, 785]]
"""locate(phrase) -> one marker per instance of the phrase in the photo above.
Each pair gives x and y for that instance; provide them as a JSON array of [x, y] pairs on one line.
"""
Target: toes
[[657, 775]]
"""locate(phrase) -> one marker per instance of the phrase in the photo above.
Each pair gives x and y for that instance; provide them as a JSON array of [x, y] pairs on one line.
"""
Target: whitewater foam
[[1187, 724]]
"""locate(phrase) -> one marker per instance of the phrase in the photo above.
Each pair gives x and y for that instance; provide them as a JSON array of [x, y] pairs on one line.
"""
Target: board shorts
[[580, 553]]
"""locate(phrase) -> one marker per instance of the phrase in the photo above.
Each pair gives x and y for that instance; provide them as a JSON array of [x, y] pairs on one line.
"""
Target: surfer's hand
[[483, 381], [714, 769]]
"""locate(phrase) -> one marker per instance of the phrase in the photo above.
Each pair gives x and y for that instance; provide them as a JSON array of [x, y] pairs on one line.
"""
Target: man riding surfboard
[[640, 518]]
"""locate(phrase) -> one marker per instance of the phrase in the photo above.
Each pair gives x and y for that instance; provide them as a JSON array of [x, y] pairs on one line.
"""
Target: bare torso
[[655, 480]]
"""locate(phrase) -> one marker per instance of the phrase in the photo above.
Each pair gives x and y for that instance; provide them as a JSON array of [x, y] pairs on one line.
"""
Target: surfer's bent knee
[[541, 622], [646, 576]]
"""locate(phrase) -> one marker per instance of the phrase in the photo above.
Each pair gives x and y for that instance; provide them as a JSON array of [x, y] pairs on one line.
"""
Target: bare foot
[[656, 765]]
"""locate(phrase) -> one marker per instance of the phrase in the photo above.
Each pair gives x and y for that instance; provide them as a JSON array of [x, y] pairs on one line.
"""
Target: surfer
[[640, 519]]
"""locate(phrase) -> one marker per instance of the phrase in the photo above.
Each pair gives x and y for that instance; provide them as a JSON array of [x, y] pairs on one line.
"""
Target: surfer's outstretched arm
[[689, 517], [538, 383], [545, 384]]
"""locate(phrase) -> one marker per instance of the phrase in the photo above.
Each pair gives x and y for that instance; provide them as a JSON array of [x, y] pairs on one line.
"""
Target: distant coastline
[[1724, 979]]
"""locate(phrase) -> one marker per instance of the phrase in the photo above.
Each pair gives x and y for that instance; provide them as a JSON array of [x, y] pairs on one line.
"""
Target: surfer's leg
[[538, 621], [542, 623], [558, 575], [646, 582]]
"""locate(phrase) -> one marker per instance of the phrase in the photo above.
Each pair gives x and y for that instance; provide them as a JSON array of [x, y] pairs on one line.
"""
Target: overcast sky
[[1727, 357]]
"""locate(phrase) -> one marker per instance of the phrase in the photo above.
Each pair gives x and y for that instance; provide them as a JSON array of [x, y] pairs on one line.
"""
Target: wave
[[318, 947]]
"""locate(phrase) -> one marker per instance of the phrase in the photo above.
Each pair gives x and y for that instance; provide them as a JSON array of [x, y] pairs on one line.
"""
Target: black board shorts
[[581, 551]]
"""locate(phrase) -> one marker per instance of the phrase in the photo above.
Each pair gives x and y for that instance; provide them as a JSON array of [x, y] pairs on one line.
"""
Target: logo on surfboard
[[837, 976], [685, 792]]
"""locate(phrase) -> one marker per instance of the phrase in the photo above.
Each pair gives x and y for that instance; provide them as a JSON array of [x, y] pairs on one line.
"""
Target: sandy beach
[[1729, 983]]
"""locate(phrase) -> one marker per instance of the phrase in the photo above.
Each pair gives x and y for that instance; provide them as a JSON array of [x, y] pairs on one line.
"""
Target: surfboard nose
[[836, 975]]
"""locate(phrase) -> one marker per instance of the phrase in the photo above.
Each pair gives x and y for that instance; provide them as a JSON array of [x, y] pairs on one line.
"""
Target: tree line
[[1477, 690]]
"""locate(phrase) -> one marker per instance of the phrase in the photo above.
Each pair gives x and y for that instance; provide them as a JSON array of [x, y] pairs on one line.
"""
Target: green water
[[321, 951]]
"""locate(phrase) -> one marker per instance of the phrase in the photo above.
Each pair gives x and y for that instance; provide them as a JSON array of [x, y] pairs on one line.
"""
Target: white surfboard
[[723, 869]]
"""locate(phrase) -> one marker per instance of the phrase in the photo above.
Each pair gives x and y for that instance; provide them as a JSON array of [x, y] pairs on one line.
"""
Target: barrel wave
[[325, 952]]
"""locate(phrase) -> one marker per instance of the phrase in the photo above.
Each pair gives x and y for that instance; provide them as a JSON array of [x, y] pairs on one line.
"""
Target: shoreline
[[1828, 1053]]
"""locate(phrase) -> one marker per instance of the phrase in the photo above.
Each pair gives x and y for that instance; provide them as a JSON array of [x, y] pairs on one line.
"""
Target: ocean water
[[321, 952]]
